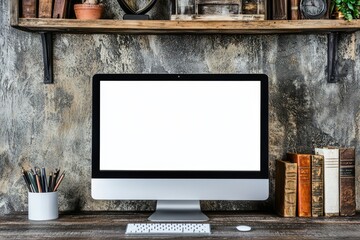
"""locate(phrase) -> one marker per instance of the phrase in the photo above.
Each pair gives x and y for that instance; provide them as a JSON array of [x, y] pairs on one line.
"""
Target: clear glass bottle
[[185, 8]]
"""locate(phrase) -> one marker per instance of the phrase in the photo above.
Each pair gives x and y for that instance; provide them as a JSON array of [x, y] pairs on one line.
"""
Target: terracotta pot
[[88, 11]]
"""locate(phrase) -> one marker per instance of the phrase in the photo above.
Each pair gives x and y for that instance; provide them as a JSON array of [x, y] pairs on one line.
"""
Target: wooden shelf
[[185, 27], [47, 26]]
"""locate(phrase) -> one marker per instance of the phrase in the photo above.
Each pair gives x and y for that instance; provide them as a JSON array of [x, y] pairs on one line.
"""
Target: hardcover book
[[279, 9], [45, 8], [29, 8], [331, 180], [317, 185], [347, 182], [285, 188], [303, 183], [60, 8], [328, 11], [294, 9]]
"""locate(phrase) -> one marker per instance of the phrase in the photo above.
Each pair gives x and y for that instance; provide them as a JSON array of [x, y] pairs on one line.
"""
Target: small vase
[[88, 11], [337, 14]]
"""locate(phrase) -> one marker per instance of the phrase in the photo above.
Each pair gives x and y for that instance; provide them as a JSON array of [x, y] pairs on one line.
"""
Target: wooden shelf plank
[[189, 27]]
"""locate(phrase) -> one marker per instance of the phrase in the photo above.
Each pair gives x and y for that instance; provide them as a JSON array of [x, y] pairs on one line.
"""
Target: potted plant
[[89, 9], [349, 9]]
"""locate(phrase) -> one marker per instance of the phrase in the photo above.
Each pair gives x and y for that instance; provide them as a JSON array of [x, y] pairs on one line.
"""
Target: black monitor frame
[[262, 174]]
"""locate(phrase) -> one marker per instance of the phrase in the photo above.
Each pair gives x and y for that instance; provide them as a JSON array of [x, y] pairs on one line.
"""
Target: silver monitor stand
[[178, 211]]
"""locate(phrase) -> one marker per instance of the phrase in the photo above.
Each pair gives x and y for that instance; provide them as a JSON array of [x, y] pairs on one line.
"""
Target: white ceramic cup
[[43, 206]]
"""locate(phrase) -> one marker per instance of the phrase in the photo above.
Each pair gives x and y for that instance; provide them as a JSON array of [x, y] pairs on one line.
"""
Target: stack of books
[[313, 185], [45, 8]]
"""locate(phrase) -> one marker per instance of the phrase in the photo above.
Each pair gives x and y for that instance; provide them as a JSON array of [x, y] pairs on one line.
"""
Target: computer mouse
[[243, 228]]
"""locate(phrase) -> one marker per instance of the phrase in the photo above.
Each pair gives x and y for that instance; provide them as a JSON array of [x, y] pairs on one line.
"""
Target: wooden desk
[[111, 225]]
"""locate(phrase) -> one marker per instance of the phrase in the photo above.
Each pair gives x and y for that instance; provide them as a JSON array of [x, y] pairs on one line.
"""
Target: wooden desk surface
[[111, 225]]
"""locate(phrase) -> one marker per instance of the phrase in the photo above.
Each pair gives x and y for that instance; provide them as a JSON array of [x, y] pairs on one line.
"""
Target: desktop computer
[[179, 139]]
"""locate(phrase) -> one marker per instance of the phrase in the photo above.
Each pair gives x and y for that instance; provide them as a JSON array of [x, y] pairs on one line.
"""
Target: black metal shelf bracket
[[332, 57], [47, 46]]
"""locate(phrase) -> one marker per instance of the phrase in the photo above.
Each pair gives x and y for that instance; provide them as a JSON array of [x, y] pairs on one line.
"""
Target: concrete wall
[[50, 125]]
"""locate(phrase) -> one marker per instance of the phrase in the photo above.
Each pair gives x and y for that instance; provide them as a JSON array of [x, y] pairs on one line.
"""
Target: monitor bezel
[[97, 173]]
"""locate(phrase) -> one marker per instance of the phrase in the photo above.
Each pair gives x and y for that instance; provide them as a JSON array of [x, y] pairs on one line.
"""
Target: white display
[[180, 125]]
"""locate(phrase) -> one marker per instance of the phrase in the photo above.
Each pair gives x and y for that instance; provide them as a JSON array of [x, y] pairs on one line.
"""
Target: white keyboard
[[168, 229]]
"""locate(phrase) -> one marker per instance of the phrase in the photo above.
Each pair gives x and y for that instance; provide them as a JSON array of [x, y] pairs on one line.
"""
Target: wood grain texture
[[193, 27], [111, 225]]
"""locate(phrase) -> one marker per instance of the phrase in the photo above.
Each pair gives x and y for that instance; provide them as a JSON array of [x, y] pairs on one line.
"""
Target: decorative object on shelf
[[89, 10], [218, 10], [224, 9], [313, 9], [254, 9], [29, 8], [350, 9], [184, 9], [133, 11], [337, 14]]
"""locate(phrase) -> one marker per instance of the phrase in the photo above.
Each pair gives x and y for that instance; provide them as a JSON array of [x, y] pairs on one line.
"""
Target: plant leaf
[[349, 17], [350, 6]]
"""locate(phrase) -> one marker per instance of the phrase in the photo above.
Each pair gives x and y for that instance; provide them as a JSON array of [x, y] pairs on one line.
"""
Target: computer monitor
[[179, 139]]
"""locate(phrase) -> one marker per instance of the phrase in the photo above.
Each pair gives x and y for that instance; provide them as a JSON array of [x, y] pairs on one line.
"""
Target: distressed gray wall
[[50, 125]]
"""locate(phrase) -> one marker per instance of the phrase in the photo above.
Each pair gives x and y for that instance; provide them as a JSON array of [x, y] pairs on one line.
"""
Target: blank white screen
[[180, 125]]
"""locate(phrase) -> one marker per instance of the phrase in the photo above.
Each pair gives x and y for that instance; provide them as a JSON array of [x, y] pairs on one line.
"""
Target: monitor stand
[[178, 211]]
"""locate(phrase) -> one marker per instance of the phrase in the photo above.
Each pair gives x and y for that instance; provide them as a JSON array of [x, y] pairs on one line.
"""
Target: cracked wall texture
[[50, 125]]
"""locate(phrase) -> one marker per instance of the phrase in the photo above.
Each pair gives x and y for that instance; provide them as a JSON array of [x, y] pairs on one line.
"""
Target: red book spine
[[304, 183]]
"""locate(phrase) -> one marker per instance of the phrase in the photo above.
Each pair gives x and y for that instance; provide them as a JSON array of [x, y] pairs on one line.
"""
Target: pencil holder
[[43, 206]]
